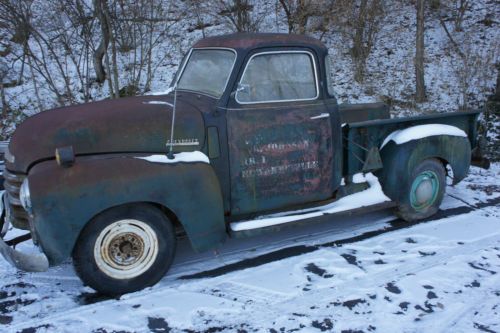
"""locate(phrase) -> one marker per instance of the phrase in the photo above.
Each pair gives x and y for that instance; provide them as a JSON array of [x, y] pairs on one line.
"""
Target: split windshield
[[207, 71]]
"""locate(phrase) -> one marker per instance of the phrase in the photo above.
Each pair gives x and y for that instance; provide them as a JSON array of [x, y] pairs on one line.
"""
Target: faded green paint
[[274, 167], [373, 160], [360, 137], [400, 160], [65, 199], [352, 113]]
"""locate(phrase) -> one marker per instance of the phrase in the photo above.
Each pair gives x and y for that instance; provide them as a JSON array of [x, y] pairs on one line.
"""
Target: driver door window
[[278, 77]]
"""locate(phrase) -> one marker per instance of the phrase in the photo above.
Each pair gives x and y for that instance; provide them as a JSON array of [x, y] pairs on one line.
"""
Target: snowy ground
[[370, 273]]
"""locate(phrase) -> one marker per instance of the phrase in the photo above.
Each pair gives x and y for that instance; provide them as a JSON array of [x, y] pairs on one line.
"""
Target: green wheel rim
[[424, 190]]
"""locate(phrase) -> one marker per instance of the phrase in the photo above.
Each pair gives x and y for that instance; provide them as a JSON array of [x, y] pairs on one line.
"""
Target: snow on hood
[[159, 103], [422, 131], [189, 157]]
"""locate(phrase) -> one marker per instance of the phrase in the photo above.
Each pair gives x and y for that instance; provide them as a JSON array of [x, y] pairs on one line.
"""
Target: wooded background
[[416, 55]]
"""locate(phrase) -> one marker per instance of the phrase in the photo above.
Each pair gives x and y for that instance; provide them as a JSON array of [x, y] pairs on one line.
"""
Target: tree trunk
[[112, 39], [149, 76], [496, 96], [358, 48], [98, 58], [303, 16], [5, 105], [288, 14], [100, 52], [35, 86], [419, 54]]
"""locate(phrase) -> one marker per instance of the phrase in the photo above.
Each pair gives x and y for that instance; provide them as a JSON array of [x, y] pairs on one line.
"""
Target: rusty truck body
[[257, 130]]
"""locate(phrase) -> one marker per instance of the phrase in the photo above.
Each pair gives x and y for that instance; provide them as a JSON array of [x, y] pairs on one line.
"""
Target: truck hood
[[127, 125]]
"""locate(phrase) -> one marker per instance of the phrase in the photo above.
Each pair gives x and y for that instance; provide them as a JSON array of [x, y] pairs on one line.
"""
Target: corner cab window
[[329, 78], [273, 77], [207, 71]]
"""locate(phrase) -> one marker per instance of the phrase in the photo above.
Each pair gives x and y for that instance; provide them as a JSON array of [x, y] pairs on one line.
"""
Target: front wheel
[[125, 249], [424, 191]]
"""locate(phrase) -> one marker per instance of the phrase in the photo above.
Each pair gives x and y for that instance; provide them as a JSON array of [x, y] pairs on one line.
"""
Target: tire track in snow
[[466, 309], [379, 279], [293, 251]]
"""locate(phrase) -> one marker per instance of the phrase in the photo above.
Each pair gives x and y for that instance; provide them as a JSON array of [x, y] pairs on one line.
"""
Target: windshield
[[207, 71]]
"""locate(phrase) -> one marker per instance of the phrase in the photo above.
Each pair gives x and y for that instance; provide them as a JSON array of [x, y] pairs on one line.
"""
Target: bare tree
[[238, 14], [420, 95], [461, 7], [139, 28], [366, 19], [299, 12]]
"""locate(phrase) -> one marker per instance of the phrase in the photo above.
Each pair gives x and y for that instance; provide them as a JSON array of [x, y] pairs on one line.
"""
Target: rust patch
[[279, 157]]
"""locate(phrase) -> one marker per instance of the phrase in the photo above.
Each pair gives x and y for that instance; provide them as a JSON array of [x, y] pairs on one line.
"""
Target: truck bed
[[352, 113], [360, 137]]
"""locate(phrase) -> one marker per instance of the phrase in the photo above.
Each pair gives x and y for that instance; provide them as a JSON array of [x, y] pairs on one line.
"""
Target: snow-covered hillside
[[370, 273], [390, 69]]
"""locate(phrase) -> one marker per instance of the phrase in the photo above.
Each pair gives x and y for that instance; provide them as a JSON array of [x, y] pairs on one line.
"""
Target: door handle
[[323, 115]]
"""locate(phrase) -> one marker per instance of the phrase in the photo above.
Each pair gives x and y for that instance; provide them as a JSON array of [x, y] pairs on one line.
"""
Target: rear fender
[[400, 160], [64, 200]]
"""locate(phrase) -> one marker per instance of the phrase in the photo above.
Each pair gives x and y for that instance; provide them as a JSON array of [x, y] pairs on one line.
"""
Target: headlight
[[24, 195], [8, 156]]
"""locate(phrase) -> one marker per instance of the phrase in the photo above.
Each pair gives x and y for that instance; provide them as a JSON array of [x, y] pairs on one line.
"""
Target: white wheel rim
[[126, 249]]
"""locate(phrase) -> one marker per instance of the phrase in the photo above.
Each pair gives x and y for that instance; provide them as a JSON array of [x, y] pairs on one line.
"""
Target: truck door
[[279, 134]]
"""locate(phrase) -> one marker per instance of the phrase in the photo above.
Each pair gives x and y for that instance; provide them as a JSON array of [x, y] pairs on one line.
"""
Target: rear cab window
[[329, 74]]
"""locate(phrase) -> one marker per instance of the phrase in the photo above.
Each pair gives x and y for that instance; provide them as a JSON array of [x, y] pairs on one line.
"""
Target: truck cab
[[278, 126]]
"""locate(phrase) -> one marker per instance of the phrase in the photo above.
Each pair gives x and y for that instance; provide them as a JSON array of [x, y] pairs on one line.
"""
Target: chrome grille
[[12, 184]]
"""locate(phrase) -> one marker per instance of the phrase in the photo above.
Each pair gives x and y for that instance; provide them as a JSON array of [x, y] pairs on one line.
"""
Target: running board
[[274, 224]]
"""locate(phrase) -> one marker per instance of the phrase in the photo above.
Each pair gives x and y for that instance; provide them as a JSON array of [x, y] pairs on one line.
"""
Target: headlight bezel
[[8, 156], [25, 195]]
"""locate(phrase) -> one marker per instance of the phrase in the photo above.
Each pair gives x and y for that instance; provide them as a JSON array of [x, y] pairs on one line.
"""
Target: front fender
[[64, 200], [399, 160]]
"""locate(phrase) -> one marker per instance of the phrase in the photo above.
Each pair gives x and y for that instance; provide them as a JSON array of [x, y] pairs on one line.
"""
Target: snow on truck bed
[[370, 273], [422, 131]]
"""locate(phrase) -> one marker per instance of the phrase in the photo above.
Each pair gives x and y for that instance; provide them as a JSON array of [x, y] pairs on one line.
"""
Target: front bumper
[[32, 262]]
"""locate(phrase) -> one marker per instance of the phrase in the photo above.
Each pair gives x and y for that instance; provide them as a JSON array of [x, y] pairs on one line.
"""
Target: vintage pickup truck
[[250, 128]]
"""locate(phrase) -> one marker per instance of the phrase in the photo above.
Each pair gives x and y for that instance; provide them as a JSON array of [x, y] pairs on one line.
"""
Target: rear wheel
[[125, 249], [424, 191]]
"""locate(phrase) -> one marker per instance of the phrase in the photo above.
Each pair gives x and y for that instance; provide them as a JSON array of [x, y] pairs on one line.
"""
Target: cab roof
[[247, 41]]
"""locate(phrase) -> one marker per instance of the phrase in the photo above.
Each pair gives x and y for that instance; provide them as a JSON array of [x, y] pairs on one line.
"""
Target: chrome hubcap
[[424, 190]]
